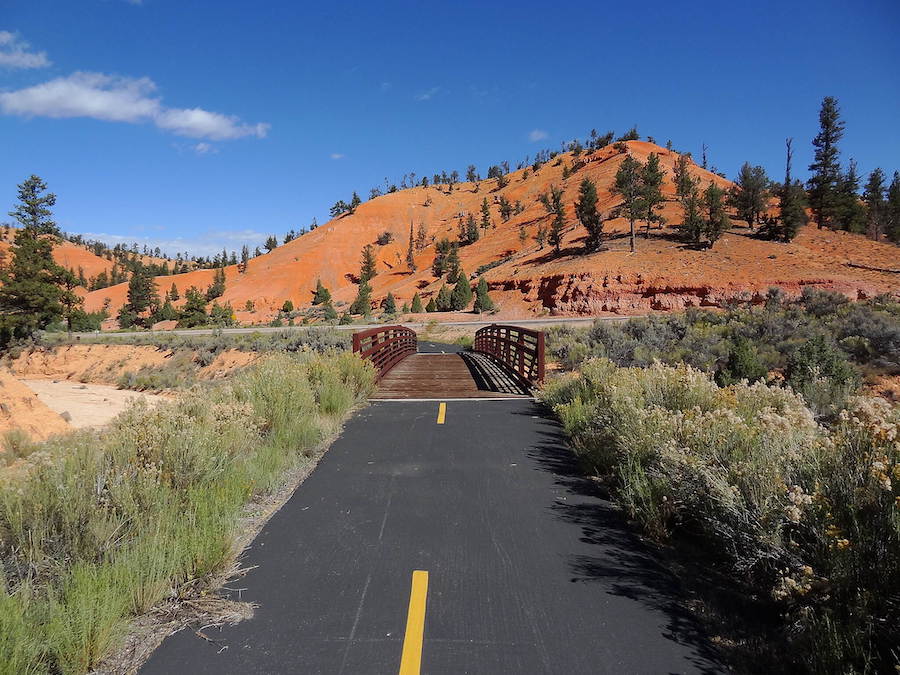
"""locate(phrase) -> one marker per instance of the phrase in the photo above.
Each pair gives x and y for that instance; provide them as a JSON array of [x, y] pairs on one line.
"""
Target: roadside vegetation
[[98, 528], [744, 434]]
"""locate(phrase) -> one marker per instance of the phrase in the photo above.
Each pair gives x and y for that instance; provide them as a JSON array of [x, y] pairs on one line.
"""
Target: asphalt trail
[[529, 569]]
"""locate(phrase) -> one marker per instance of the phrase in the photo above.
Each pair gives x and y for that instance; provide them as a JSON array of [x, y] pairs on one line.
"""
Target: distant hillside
[[527, 279]]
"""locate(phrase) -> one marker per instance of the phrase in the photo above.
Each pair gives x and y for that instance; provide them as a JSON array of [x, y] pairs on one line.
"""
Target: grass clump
[[806, 515], [96, 529]]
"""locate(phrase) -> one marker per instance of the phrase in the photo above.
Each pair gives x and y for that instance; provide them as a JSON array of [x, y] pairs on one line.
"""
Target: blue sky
[[193, 125]]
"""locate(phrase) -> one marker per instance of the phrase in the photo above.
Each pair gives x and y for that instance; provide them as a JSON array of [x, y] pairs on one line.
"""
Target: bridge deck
[[463, 375]]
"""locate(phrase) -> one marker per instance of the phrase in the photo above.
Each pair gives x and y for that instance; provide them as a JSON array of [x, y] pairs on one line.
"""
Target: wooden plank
[[447, 376]]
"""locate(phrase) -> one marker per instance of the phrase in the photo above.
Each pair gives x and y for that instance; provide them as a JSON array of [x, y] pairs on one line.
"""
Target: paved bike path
[[529, 569]]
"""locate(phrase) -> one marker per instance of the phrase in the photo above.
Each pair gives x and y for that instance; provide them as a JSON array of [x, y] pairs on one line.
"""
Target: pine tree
[[628, 186], [471, 229], [892, 219], [141, 290], [716, 218], [849, 213], [193, 312], [452, 264], [416, 307], [271, 243], [462, 292], [441, 251], [471, 175], [876, 210], [431, 306], [70, 300], [826, 168], [355, 201], [421, 237], [791, 202], [287, 307], [411, 251], [557, 225], [34, 208], [173, 293], [217, 288], [485, 215], [329, 313], [505, 208], [692, 224], [362, 304], [444, 299], [245, 255], [749, 196], [483, 302], [390, 304], [651, 197], [367, 267], [540, 236], [588, 215], [321, 296]]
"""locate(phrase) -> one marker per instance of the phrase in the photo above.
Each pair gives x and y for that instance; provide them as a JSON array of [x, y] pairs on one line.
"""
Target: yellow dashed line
[[411, 661], [442, 413]]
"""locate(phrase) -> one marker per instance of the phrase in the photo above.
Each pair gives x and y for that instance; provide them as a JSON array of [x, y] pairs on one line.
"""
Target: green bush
[[95, 528], [808, 515]]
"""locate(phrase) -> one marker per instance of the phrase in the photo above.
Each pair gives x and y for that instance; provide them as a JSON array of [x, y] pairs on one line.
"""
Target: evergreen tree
[[390, 304], [221, 315], [791, 202], [483, 302], [245, 255], [441, 251], [355, 201], [849, 212], [346, 319], [540, 236], [166, 313], [421, 237], [367, 267], [193, 312], [70, 300], [411, 251], [471, 175], [505, 208], [588, 215], [444, 299], [651, 197], [471, 229], [34, 208], [826, 168], [141, 290], [628, 186], [173, 293], [716, 218], [452, 264], [485, 215], [217, 288], [416, 307], [876, 206], [523, 234], [329, 313], [362, 304], [29, 291], [692, 223], [462, 292], [287, 307], [431, 306], [749, 196], [892, 218], [271, 243], [321, 296], [559, 218]]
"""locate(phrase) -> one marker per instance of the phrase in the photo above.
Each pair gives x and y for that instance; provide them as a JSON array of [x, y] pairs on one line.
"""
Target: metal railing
[[519, 349], [385, 346]]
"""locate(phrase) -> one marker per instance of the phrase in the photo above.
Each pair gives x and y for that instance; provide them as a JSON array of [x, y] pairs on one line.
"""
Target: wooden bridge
[[505, 362]]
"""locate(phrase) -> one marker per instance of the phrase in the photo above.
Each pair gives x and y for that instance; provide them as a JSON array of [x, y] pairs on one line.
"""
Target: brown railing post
[[385, 346], [519, 350]]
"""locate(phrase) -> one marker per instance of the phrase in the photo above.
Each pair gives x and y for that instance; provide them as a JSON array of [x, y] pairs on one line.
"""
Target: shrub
[[823, 375], [98, 527]]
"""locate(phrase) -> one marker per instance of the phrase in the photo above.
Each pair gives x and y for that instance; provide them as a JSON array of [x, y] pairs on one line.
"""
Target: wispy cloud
[[204, 148], [385, 86], [16, 53], [536, 135], [337, 155], [203, 243], [428, 94], [122, 99]]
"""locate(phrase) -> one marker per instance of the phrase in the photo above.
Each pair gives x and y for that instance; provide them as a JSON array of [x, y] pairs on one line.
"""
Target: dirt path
[[87, 405]]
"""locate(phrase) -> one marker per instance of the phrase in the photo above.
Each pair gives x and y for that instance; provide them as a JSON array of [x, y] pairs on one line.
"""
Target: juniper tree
[[651, 197], [416, 305], [749, 196], [588, 215], [826, 168], [483, 302], [444, 300], [716, 218], [628, 186], [321, 296], [485, 214], [390, 304], [791, 203], [876, 211], [287, 307], [367, 265]]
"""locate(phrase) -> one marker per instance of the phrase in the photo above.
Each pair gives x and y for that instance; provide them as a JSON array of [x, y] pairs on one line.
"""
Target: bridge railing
[[519, 349], [385, 346]]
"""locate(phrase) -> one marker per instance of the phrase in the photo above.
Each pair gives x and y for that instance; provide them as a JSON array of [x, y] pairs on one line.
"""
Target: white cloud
[[204, 148], [121, 99], [536, 135], [428, 94], [14, 53], [205, 243], [337, 155]]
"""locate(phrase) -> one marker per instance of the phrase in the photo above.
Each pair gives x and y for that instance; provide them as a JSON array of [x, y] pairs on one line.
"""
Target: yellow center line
[[442, 413], [411, 661]]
